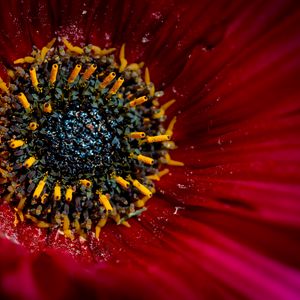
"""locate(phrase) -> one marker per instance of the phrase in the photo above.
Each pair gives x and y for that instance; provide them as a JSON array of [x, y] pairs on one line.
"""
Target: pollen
[[83, 138]]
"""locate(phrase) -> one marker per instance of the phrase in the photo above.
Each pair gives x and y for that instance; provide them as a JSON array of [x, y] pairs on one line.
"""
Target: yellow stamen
[[105, 202], [53, 73], [3, 86], [122, 59], [33, 126], [158, 138], [100, 224], [47, 108], [33, 77], [107, 80], [163, 109], [126, 224], [135, 66], [74, 73], [42, 224], [145, 159], [45, 49], [27, 59], [138, 101], [137, 135], [172, 162], [141, 202], [85, 182], [69, 194], [147, 76], [38, 190], [21, 203], [116, 86], [11, 73], [16, 144], [100, 52], [144, 190], [66, 228], [170, 145], [122, 182], [158, 175], [89, 72], [57, 192], [171, 127], [72, 48], [29, 162], [43, 198], [23, 100]]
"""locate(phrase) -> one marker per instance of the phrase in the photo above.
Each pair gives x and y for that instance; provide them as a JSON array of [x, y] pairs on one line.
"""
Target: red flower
[[227, 224]]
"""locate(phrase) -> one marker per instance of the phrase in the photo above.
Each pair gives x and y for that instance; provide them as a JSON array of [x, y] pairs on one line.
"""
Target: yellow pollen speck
[[107, 80], [122, 59], [116, 86], [33, 126], [74, 73], [38, 190], [29, 162], [16, 144], [138, 101], [158, 138], [53, 73], [89, 72], [23, 100]]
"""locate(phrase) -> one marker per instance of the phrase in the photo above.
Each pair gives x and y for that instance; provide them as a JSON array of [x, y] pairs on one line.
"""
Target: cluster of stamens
[[82, 138]]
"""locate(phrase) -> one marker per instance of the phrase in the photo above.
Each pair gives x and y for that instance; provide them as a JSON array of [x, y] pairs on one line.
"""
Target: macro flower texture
[[149, 149]]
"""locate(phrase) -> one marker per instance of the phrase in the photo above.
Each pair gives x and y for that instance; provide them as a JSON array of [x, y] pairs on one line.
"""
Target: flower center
[[82, 138]]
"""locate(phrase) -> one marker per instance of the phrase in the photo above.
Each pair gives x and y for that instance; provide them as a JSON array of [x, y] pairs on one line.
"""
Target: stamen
[[116, 86], [122, 59], [105, 202], [72, 48], [47, 108], [29, 162], [89, 72], [101, 223], [163, 109], [145, 191], [137, 135], [23, 100], [122, 182], [141, 202], [107, 80], [69, 194], [172, 162], [138, 101], [145, 159], [38, 190], [101, 52], [53, 73], [16, 144], [27, 59], [158, 138], [57, 192], [149, 83], [3, 86], [74, 73], [135, 66], [171, 127], [158, 175], [66, 228], [85, 182], [33, 126], [33, 77]]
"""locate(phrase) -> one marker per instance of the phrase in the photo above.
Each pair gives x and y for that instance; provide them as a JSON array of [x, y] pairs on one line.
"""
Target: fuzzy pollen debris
[[82, 138]]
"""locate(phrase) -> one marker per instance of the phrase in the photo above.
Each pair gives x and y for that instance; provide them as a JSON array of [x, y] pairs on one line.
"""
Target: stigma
[[86, 138]]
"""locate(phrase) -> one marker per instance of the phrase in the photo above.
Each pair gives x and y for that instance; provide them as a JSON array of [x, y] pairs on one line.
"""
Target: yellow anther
[[122, 182], [33, 77], [137, 135], [89, 72], [172, 162], [33, 126], [105, 202], [158, 175], [123, 60], [98, 227], [85, 182], [141, 202], [11, 73], [38, 190], [171, 127], [23, 100], [135, 66], [72, 48], [144, 190], [158, 138], [107, 80], [29, 162], [147, 76], [69, 194], [66, 228], [74, 73], [32, 218], [43, 198], [118, 83], [57, 192], [16, 144], [27, 59], [3, 86], [138, 101], [163, 109], [53, 73], [100, 52], [42, 224], [145, 159], [126, 224], [47, 108]]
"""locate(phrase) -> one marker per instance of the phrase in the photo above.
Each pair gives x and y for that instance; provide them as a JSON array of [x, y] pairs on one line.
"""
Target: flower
[[224, 226]]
